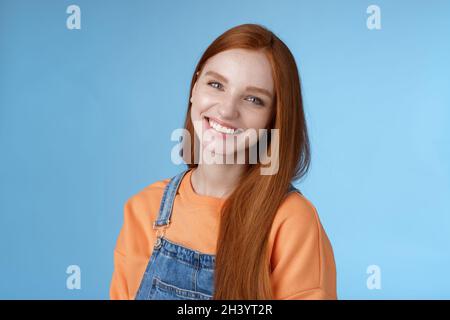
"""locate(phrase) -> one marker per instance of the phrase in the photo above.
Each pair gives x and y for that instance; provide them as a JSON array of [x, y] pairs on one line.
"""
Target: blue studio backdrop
[[87, 110]]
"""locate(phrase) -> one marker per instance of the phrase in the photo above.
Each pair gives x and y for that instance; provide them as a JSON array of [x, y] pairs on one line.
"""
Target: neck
[[216, 180]]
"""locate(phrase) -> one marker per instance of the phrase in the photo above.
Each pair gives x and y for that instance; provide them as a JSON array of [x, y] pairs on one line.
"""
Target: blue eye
[[257, 101], [214, 82]]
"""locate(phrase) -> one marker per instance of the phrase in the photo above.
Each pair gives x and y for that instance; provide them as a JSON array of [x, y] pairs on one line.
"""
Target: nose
[[228, 109]]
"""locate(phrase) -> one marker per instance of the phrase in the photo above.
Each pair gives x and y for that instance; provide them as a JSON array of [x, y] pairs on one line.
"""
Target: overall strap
[[170, 191]]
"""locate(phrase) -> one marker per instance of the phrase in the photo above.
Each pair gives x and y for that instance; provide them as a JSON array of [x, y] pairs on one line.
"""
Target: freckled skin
[[231, 102]]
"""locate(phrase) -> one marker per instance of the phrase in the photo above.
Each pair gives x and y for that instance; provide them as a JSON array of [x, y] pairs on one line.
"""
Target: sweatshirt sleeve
[[302, 260], [119, 287]]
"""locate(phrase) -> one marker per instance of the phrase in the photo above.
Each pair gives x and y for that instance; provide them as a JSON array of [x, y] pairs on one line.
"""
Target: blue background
[[86, 117]]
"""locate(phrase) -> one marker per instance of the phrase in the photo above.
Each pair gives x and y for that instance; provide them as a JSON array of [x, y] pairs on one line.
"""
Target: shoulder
[[297, 212], [146, 199], [297, 223], [142, 194], [302, 258]]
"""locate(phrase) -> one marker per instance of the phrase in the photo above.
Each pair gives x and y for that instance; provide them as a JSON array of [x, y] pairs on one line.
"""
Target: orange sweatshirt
[[302, 259]]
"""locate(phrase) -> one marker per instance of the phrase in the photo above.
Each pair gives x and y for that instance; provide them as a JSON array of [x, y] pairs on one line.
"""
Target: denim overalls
[[175, 272]]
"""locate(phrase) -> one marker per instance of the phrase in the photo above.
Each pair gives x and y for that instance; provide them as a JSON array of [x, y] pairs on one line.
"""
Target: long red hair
[[242, 269]]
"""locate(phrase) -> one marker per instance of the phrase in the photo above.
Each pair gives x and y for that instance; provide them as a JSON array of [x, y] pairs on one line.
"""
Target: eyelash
[[261, 103]]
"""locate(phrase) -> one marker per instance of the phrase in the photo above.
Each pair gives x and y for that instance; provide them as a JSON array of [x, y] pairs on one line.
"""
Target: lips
[[223, 124], [207, 126]]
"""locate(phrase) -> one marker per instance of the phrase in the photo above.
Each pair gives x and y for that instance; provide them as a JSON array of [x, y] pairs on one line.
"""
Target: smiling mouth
[[221, 129]]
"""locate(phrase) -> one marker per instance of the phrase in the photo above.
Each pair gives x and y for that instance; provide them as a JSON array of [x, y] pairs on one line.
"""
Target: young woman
[[225, 230]]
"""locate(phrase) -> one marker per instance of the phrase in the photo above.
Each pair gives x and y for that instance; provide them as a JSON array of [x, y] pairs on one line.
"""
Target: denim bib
[[175, 272]]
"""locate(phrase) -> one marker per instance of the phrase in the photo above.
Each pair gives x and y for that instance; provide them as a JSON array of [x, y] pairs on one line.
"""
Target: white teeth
[[222, 129]]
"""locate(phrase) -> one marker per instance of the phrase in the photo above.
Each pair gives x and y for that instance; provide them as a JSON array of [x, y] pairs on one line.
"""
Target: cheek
[[259, 119], [200, 105], [203, 101]]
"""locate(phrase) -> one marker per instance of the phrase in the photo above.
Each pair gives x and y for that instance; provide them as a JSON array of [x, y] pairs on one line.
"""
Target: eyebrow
[[252, 88]]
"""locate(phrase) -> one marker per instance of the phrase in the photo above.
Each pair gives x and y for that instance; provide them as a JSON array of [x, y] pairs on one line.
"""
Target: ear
[[193, 90], [195, 85]]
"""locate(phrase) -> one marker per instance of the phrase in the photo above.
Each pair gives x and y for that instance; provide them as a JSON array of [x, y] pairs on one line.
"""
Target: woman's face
[[234, 89]]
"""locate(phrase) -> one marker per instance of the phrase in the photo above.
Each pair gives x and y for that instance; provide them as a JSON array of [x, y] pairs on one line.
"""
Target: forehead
[[242, 67]]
